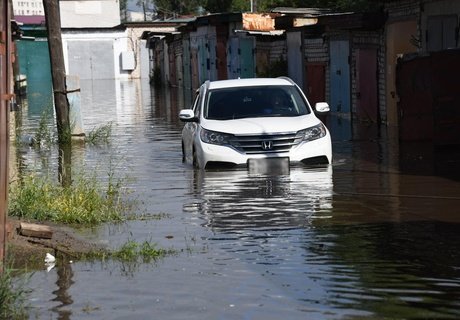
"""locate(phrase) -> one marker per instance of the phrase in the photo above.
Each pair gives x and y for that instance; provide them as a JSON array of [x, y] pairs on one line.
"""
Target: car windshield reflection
[[253, 102]]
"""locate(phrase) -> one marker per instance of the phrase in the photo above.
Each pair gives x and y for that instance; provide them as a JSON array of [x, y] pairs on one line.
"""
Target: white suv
[[249, 121]]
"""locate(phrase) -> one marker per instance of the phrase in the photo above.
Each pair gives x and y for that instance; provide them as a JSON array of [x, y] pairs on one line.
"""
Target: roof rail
[[287, 79]]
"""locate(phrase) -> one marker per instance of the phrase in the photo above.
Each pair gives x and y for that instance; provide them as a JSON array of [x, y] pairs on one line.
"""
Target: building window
[[442, 32]]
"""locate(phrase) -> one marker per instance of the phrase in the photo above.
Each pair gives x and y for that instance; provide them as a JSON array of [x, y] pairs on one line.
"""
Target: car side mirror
[[322, 107], [187, 115]]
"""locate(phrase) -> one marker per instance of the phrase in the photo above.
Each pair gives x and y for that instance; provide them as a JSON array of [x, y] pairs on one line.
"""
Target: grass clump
[[44, 134], [84, 202], [100, 134], [12, 297], [132, 252]]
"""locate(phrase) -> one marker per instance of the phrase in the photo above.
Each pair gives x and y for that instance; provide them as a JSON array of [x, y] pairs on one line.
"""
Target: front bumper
[[210, 153]]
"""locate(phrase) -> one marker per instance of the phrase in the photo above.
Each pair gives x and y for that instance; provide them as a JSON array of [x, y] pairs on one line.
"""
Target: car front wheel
[[183, 152], [195, 161]]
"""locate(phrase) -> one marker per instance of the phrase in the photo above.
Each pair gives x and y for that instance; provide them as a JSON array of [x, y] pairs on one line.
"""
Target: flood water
[[376, 235]]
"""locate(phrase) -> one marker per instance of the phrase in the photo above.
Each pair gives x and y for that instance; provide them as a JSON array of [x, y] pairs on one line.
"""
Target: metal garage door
[[340, 76], [91, 59]]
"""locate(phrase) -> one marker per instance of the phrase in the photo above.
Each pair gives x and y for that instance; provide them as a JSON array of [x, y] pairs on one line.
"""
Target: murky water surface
[[375, 235]]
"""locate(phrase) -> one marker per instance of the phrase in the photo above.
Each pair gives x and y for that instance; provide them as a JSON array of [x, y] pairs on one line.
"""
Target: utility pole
[[61, 103], [5, 98]]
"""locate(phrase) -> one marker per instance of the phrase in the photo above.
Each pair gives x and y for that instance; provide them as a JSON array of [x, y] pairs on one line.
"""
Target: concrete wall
[[86, 14], [137, 45]]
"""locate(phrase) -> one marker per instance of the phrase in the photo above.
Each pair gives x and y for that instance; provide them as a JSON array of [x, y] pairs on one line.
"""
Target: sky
[[132, 6]]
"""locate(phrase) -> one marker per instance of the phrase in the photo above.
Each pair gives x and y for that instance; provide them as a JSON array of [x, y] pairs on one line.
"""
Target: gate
[[247, 58], [91, 59], [340, 76], [366, 100]]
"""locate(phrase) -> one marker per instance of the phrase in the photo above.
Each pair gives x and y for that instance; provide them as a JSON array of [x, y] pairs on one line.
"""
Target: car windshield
[[256, 101]]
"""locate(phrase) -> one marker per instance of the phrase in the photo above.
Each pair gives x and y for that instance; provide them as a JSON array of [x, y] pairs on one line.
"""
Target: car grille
[[268, 143]]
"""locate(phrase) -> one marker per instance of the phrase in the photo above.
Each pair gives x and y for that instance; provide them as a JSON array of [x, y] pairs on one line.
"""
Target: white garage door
[[91, 59]]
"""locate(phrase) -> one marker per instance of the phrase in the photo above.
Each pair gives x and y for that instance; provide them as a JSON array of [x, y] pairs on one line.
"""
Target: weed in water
[[12, 296], [100, 134], [44, 134], [149, 251], [149, 216], [88, 308], [131, 252], [128, 252], [84, 202]]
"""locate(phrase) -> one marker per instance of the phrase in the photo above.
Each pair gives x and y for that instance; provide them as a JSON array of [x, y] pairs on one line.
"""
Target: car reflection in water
[[236, 200]]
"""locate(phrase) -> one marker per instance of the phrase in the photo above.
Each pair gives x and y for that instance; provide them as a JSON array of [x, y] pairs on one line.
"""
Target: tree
[[174, 8], [168, 8], [147, 6], [216, 6], [124, 9]]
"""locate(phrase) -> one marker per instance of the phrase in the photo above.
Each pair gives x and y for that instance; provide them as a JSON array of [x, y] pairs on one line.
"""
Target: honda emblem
[[267, 145]]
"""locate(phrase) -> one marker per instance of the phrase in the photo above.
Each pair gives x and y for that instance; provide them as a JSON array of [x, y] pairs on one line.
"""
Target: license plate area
[[269, 165]]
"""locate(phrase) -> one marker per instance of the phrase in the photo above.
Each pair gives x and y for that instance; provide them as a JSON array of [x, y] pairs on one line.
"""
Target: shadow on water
[[381, 145], [394, 270], [428, 159]]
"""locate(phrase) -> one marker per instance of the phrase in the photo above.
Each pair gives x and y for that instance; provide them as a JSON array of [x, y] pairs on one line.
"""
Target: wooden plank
[[35, 230]]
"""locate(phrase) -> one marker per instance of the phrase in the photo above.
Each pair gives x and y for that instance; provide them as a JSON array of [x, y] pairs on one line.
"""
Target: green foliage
[[123, 9], [45, 137], [172, 8], [340, 5], [85, 201], [216, 6], [12, 296], [44, 134], [131, 251], [100, 134], [275, 69]]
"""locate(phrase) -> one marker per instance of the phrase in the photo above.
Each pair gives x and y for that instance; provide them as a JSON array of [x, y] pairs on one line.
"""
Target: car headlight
[[215, 137], [314, 133]]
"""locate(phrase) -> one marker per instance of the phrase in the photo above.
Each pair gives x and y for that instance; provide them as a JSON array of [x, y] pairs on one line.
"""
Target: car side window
[[197, 103]]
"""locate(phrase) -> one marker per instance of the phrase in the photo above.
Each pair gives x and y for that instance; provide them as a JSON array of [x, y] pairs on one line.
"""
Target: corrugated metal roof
[[262, 33]]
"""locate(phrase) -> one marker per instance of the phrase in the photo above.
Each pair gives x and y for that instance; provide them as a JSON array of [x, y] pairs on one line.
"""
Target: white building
[[28, 8], [75, 14], [95, 44], [89, 13]]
